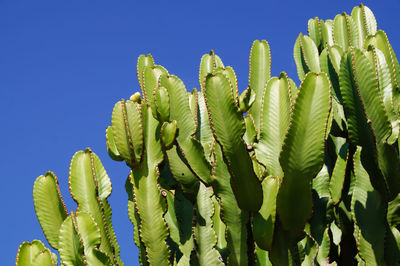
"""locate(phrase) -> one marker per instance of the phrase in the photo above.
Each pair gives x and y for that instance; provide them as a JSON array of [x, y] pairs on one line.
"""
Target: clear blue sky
[[63, 65]]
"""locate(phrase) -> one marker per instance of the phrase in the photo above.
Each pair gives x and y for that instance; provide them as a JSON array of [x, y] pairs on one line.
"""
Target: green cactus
[[35, 253], [82, 238], [278, 174]]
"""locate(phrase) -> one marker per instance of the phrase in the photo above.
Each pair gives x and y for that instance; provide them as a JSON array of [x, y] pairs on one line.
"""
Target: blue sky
[[63, 65]]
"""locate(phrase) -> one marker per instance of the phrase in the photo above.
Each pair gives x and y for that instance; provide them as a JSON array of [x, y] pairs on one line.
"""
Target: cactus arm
[[132, 214], [319, 222], [44, 258], [154, 154], [368, 211], [150, 204], [306, 56], [327, 32], [386, 88], [192, 153], [359, 130], [103, 181], [275, 108], [302, 153], [308, 250], [335, 54], [230, 73], [168, 132], [250, 134], [293, 90], [79, 241], [111, 146], [301, 65], [151, 75], [208, 63], [369, 20], [113, 237], [339, 117], [231, 215], [358, 78], [284, 249], [264, 220], [184, 214], [135, 220], [345, 32], [153, 228], [71, 248], [358, 18], [89, 236], [49, 206], [330, 64], [28, 251], [160, 105], [128, 131], [179, 103], [173, 239], [181, 173], [366, 83], [364, 21], [204, 233], [90, 186], [314, 31], [336, 182], [262, 258], [171, 219], [228, 127], [353, 107], [134, 132], [204, 133], [259, 74], [206, 136], [142, 62], [179, 218], [320, 32], [191, 148], [380, 41], [220, 229], [324, 248]]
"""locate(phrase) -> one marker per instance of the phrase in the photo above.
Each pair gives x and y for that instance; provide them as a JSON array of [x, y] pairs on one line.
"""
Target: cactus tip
[[135, 97]]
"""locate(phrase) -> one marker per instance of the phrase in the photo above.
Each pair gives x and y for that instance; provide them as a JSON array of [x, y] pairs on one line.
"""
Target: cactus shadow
[[371, 222]]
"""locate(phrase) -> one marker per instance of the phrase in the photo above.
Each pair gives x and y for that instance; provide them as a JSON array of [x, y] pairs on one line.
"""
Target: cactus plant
[[278, 174], [84, 237]]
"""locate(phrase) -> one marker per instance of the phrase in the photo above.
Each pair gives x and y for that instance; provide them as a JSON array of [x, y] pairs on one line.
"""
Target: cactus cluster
[[278, 174], [83, 237]]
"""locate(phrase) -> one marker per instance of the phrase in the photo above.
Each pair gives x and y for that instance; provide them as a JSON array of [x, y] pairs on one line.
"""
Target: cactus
[[278, 174], [84, 237]]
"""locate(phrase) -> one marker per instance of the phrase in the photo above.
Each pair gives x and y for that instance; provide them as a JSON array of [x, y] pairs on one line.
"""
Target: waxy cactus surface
[[277, 174]]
